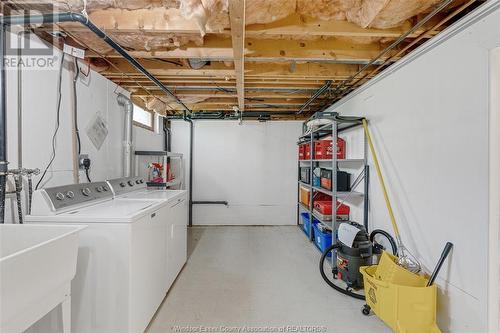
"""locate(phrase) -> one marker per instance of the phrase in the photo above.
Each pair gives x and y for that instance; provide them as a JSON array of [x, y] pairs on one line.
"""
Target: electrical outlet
[[81, 158]]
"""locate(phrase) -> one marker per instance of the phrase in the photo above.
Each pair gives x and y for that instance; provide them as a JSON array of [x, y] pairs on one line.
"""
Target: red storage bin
[[325, 208], [307, 151], [323, 149], [302, 149]]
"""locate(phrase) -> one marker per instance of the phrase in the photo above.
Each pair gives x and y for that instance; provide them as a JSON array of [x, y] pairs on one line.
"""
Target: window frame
[[144, 126]]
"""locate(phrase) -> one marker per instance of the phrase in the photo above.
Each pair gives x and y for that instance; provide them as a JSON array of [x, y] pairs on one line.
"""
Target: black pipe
[[167, 143], [191, 142], [3, 125], [365, 202], [75, 17], [225, 203]]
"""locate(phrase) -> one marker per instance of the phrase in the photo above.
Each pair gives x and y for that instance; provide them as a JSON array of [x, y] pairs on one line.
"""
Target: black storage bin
[[343, 180], [305, 174]]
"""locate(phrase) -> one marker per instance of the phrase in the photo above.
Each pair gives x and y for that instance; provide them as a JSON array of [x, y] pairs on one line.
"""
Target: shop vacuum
[[355, 247]]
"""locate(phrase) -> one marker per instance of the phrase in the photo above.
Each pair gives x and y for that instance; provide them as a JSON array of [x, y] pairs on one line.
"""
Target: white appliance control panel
[[126, 185], [65, 197]]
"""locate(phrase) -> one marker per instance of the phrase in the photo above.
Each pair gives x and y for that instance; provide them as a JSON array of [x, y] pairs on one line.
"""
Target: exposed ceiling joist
[[265, 50], [237, 18]]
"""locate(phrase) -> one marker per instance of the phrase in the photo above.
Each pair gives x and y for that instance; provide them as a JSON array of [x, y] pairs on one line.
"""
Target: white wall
[[429, 119], [252, 166], [494, 235], [95, 94]]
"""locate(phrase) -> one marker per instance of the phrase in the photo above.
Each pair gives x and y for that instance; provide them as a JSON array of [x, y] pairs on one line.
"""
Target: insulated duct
[[128, 109]]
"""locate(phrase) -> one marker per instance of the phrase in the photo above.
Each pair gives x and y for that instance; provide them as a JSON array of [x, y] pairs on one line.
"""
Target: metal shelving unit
[[333, 129], [164, 157]]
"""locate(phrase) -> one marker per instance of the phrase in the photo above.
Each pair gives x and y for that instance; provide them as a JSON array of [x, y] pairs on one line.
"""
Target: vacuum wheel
[[366, 310]]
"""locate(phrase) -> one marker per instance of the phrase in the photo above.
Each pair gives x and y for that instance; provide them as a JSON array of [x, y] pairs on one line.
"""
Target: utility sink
[[37, 264]]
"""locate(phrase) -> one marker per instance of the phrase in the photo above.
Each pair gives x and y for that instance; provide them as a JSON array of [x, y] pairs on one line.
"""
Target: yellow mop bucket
[[403, 302]]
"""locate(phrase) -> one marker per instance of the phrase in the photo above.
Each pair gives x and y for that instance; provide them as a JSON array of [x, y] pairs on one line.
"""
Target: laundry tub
[[37, 264]]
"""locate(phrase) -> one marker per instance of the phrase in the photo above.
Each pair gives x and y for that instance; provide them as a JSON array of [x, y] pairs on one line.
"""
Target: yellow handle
[[381, 179]]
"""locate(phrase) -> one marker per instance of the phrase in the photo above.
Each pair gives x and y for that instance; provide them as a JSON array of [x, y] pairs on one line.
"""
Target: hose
[[386, 235], [17, 183], [30, 193], [330, 283], [3, 184]]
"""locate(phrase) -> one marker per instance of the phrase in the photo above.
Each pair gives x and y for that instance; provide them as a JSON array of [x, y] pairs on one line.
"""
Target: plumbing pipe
[[3, 125], [191, 142], [20, 36], [128, 108], [225, 203], [167, 132]]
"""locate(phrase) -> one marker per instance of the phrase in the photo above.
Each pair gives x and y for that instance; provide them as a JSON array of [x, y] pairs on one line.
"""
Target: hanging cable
[[58, 122], [75, 106]]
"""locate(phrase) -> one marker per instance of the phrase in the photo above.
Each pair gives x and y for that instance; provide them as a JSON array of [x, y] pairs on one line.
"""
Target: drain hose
[[17, 182]]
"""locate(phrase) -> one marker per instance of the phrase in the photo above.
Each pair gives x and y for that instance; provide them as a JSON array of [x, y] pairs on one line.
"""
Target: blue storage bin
[[305, 223], [322, 239]]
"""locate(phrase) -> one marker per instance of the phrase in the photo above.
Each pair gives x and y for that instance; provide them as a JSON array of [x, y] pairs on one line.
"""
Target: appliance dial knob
[[131, 183], [122, 184], [60, 196], [86, 191], [141, 181], [98, 189], [138, 181], [70, 194], [105, 189]]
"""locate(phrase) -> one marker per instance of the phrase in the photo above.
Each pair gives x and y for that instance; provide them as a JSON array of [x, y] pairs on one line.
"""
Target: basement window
[[144, 118]]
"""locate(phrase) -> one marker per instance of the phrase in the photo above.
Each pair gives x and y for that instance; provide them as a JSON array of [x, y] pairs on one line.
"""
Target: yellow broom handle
[[381, 178]]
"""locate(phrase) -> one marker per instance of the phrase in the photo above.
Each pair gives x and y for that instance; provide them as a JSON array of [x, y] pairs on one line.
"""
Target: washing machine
[[175, 202], [121, 268]]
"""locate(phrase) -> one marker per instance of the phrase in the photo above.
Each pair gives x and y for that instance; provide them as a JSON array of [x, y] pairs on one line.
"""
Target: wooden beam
[[237, 19], [266, 50], [170, 21], [319, 71]]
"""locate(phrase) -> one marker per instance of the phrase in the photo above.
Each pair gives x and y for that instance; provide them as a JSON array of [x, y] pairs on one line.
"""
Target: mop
[[405, 258]]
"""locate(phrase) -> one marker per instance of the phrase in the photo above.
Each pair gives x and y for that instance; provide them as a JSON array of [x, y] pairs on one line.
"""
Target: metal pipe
[[365, 201], [318, 93], [128, 109], [225, 203], [191, 143], [401, 38], [76, 17], [167, 132], [20, 36], [3, 125]]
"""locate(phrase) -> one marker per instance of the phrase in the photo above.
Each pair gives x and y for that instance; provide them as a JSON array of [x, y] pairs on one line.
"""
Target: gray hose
[[30, 193], [3, 180], [19, 188]]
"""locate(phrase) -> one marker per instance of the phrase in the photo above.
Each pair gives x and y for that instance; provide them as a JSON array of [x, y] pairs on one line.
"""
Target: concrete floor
[[258, 277]]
